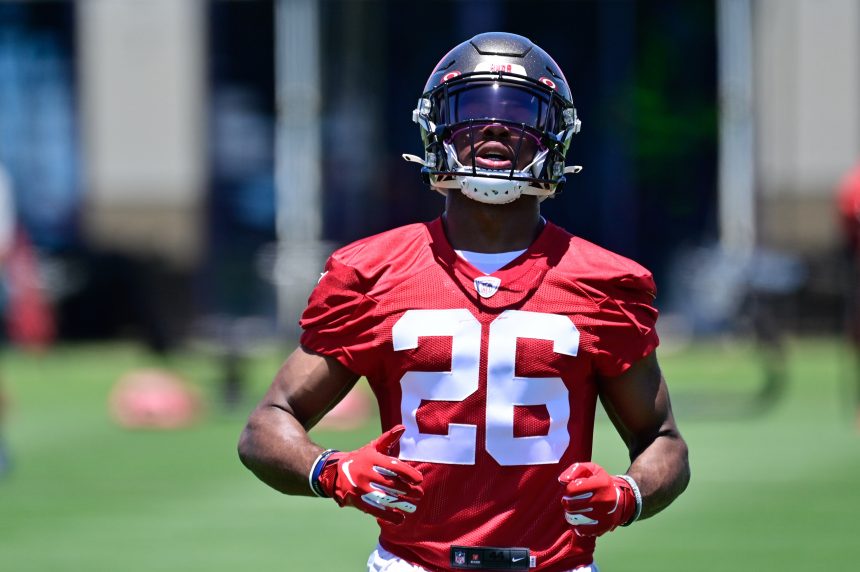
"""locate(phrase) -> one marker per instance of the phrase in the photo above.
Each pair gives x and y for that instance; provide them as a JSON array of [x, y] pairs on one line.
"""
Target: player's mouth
[[494, 155]]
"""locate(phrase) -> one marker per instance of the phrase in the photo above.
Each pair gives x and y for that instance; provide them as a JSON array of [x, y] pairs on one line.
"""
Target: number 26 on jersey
[[505, 390]]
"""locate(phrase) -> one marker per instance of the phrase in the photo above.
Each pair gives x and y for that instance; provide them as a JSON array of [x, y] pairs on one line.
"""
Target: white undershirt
[[488, 262]]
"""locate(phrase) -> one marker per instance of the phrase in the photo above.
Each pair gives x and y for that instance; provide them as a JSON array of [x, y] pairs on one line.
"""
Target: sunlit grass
[[773, 491]]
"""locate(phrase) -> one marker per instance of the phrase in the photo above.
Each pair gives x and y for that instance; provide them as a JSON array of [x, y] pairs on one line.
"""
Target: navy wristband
[[316, 469]]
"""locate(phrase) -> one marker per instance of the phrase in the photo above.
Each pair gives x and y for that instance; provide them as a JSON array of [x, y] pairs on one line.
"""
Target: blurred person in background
[[7, 236], [487, 336], [848, 203]]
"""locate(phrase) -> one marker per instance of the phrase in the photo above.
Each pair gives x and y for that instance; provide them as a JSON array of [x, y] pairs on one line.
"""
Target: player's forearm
[[277, 449], [662, 471]]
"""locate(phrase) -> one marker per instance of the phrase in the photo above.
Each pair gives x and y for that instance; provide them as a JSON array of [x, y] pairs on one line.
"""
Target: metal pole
[[737, 205], [298, 156]]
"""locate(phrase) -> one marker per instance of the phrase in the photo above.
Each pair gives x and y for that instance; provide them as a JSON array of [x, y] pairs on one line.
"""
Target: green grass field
[[778, 491]]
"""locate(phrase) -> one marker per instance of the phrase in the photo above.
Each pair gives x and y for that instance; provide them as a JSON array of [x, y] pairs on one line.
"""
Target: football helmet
[[496, 119]]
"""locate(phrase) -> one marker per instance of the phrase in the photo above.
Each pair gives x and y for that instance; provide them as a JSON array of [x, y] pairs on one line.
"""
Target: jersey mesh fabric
[[368, 289]]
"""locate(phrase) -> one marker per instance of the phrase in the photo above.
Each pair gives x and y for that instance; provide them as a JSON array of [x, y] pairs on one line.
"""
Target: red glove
[[372, 481], [595, 502]]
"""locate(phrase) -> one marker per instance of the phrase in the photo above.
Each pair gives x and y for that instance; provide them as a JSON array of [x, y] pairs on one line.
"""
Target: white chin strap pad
[[490, 191]]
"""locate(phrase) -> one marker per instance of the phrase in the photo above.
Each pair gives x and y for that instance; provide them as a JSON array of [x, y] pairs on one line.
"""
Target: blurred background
[[173, 174]]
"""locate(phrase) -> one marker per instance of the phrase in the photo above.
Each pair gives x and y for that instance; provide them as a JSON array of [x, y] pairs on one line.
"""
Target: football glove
[[372, 481], [595, 502]]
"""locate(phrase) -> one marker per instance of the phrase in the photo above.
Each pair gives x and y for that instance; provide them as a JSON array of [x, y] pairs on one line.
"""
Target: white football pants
[[382, 560]]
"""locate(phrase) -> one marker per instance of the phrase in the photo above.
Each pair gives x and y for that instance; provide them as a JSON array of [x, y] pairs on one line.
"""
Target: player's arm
[[275, 445], [638, 403]]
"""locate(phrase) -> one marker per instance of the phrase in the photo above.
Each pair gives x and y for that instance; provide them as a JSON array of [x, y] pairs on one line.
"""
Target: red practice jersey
[[493, 376]]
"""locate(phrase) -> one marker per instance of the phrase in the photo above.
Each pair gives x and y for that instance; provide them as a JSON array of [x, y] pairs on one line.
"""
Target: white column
[[142, 85], [736, 190], [298, 156]]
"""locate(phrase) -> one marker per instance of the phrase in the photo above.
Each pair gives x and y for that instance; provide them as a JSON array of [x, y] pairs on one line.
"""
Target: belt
[[490, 558]]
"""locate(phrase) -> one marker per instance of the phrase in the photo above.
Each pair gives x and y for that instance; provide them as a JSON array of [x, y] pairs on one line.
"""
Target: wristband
[[316, 469], [637, 494]]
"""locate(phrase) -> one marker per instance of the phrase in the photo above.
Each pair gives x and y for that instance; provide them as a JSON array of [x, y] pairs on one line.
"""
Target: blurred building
[[143, 141], [807, 85], [142, 88], [807, 131]]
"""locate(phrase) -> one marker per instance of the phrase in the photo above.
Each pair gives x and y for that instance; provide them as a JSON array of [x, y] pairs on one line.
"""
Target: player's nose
[[495, 130]]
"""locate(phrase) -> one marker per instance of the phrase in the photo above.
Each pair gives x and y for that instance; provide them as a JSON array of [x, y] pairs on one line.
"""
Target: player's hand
[[595, 502], [372, 481]]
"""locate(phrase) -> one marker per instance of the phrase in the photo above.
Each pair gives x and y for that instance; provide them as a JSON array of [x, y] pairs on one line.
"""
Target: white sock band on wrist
[[637, 494]]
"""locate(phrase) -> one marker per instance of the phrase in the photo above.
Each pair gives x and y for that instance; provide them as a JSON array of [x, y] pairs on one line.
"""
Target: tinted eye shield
[[501, 98]]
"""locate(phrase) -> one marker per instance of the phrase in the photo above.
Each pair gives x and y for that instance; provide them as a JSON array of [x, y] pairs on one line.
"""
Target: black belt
[[490, 558]]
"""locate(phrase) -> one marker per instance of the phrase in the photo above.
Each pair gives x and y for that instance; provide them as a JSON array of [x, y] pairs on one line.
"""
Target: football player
[[487, 336]]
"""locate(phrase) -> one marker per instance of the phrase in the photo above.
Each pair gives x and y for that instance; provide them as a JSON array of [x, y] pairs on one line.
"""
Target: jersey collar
[[519, 278]]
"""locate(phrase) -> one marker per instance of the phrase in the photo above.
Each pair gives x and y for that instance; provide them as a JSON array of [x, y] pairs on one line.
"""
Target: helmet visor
[[494, 100]]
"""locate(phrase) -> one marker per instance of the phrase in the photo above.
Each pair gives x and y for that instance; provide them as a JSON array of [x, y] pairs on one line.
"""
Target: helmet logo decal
[[547, 82], [450, 75], [486, 286], [500, 66]]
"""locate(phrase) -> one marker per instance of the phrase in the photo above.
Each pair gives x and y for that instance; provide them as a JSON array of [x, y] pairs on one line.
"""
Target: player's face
[[496, 146]]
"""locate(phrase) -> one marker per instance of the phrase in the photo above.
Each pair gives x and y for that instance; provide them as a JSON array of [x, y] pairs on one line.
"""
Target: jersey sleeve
[[338, 321], [627, 329]]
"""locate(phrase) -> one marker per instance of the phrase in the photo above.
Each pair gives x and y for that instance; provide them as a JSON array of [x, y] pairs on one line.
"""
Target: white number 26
[[504, 389]]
